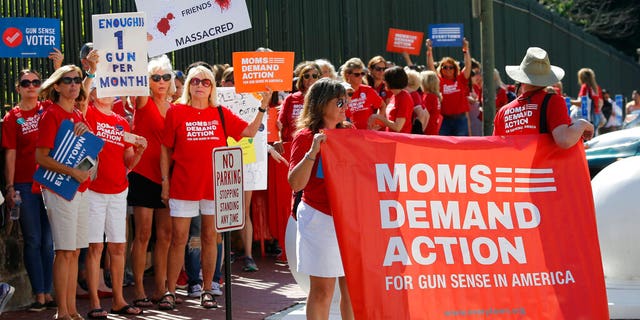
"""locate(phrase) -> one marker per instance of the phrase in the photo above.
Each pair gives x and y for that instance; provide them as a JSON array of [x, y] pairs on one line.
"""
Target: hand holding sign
[[56, 56]]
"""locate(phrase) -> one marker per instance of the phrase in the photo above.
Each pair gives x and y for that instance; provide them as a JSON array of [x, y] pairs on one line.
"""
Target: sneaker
[[215, 288], [6, 292], [195, 290], [37, 307], [183, 280], [250, 265]]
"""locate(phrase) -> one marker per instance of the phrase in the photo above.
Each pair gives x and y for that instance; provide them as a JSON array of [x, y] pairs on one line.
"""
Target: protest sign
[[446, 35], [175, 25], [404, 41], [254, 71], [121, 40], [72, 151], [478, 228], [254, 150], [29, 37]]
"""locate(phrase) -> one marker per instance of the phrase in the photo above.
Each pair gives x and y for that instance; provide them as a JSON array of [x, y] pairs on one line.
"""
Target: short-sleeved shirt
[[289, 113], [522, 115], [112, 172], [585, 90], [383, 92], [454, 95], [193, 134], [315, 192], [401, 106], [432, 103], [20, 132], [149, 123], [364, 102], [49, 125]]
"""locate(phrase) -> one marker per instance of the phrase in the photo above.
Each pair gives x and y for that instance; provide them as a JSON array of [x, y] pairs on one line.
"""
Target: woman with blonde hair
[[431, 97], [420, 114], [590, 88], [364, 102]]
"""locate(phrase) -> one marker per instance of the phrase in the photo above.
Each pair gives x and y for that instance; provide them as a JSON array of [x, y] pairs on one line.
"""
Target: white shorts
[[316, 244], [190, 209], [108, 215], [68, 220]]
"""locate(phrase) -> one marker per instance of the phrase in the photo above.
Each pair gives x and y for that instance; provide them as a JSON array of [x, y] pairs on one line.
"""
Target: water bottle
[[15, 212]]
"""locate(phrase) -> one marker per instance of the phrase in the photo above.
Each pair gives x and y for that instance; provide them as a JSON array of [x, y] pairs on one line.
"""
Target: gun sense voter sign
[[29, 37]]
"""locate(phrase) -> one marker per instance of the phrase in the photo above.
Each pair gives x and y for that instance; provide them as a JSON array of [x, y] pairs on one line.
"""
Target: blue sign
[[72, 151], [446, 35], [29, 37]]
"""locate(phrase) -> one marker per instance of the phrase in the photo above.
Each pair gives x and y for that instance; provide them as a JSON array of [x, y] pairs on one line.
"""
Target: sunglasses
[[69, 80], [157, 77], [448, 67], [357, 74], [204, 82], [310, 75], [341, 103], [26, 83], [376, 68]]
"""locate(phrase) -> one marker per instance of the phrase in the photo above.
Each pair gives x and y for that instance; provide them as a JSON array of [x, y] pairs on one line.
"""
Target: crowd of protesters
[[163, 177]]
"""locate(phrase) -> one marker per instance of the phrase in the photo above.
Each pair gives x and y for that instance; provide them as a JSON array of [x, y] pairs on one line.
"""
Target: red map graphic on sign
[[163, 25], [224, 4]]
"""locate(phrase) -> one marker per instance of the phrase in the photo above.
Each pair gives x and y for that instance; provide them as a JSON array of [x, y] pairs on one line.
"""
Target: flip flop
[[127, 310], [97, 314], [143, 303]]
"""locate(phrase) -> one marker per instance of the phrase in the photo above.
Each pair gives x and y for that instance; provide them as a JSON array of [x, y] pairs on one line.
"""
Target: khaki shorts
[[68, 220]]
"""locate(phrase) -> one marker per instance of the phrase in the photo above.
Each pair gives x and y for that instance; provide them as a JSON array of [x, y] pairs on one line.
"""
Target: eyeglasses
[[157, 77], [26, 83], [340, 103], [310, 75], [69, 80], [448, 67], [357, 74], [376, 68], [203, 82]]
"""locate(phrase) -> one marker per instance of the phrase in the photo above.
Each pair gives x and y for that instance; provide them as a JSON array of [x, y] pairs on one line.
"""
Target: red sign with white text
[[404, 41], [464, 228]]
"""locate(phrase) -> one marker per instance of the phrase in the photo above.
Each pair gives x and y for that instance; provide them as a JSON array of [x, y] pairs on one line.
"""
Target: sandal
[[207, 300], [77, 316], [127, 310], [167, 302], [143, 303], [97, 314]]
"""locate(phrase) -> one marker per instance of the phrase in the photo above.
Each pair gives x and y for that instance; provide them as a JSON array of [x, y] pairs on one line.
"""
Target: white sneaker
[[6, 292], [195, 291], [215, 289]]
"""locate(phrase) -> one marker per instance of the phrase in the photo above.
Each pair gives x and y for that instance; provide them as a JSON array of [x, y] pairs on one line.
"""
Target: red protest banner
[[477, 228], [254, 71], [404, 41]]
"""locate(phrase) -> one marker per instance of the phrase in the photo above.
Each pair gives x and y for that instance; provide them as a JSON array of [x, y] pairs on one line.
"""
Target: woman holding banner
[[145, 181], [192, 130], [68, 219], [317, 246]]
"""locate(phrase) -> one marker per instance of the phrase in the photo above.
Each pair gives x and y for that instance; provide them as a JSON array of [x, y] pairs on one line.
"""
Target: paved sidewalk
[[255, 295]]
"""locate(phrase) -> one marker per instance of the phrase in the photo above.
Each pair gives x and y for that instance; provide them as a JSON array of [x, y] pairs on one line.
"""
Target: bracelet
[[308, 157], [262, 110], [90, 75], [8, 187], [464, 51]]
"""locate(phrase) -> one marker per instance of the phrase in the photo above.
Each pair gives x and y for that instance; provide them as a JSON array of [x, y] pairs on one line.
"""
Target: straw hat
[[535, 69]]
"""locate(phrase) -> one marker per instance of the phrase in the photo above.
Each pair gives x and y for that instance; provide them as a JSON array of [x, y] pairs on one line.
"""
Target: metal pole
[[227, 274], [488, 64]]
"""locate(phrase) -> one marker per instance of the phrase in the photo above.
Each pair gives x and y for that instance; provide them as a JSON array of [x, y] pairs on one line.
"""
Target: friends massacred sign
[[464, 228]]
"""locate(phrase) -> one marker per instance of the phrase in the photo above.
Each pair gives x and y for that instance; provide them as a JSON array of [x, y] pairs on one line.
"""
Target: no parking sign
[[228, 188]]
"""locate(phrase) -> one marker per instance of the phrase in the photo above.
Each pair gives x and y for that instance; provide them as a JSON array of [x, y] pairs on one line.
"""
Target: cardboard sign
[[254, 71], [121, 40], [446, 35], [229, 194], [404, 41], [254, 150], [175, 25], [29, 37], [72, 151], [449, 227]]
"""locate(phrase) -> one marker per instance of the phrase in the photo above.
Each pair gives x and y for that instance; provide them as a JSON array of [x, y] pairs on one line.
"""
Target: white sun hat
[[535, 69]]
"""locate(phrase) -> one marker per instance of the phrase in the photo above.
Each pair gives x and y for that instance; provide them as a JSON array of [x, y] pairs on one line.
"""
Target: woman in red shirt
[[292, 104], [431, 98], [365, 101], [400, 107], [375, 78]]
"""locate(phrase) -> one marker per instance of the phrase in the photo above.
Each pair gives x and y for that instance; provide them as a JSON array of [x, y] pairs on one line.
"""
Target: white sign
[[229, 194], [179, 24], [121, 41], [246, 105]]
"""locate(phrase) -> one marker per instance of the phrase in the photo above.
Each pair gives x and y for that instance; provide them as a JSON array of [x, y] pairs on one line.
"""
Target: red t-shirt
[[112, 173], [149, 123], [193, 134], [432, 103], [416, 97], [501, 98], [48, 128], [383, 92], [122, 108], [289, 113], [364, 102], [522, 115], [22, 137], [454, 95], [585, 90], [401, 106], [315, 192]]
